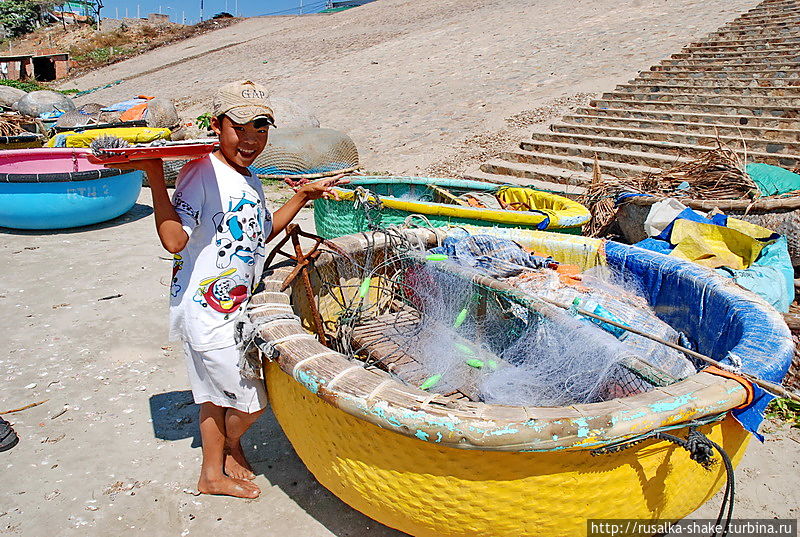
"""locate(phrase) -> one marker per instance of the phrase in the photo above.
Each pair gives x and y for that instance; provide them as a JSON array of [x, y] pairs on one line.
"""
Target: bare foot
[[236, 464], [227, 486]]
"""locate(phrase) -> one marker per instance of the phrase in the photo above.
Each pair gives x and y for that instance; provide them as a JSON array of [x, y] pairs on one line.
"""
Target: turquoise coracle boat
[[390, 200], [60, 188]]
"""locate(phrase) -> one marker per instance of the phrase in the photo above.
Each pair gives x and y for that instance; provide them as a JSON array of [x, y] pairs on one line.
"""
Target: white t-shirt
[[213, 276]]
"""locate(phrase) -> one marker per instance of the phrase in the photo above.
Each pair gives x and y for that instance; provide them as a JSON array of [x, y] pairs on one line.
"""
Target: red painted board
[[119, 155]]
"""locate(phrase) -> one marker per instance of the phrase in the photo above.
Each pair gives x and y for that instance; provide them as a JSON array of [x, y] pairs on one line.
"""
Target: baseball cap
[[243, 101]]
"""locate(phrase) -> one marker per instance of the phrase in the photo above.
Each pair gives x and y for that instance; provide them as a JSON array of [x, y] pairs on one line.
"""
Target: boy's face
[[240, 144]]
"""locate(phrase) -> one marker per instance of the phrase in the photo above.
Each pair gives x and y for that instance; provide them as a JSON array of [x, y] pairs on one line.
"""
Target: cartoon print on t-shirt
[[223, 293], [181, 206], [239, 232], [177, 264]]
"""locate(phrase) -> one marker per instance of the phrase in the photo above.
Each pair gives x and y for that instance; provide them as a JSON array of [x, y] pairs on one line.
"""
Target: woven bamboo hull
[[428, 490]]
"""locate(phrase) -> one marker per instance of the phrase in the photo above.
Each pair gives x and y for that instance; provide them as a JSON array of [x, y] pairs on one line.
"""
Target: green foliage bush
[[18, 16], [32, 86]]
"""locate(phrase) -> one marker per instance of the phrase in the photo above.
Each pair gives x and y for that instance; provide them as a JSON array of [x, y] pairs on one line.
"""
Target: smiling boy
[[217, 225]]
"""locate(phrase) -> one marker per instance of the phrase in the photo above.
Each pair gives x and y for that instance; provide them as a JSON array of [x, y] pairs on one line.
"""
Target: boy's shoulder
[[198, 165], [195, 170]]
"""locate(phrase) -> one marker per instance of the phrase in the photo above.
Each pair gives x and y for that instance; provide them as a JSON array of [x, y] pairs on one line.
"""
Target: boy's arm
[[309, 191], [168, 224]]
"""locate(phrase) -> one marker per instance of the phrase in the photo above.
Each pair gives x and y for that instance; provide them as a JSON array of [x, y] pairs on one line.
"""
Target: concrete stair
[[738, 48], [682, 127], [753, 54], [788, 74], [695, 117], [785, 61], [739, 86], [715, 82], [602, 148], [527, 166], [689, 106], [703, 98], [653, 90], [778, 152]]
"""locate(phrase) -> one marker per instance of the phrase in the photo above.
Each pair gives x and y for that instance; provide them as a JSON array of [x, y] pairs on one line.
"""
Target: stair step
[[767, 53], [643, 142], [686, 106], [694, 117], [753, 33], [732, 68], [733, 48], [540, 177], [730, 99], [766, 17], [772, 41], [588, 151], [681, 137], [529, 170], [765, 74], [786, 61], [694, 127], [740, 91], [786, 22], [769, 16], [715, 82]]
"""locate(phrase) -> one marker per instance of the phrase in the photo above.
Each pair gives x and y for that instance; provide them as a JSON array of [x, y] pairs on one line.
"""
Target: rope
[[701, 450], [246, 333]]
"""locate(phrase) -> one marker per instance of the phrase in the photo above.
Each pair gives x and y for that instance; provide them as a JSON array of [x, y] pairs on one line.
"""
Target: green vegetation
[[103, 54], [30, 86], [22, 85], [786, 410], [204, 121]]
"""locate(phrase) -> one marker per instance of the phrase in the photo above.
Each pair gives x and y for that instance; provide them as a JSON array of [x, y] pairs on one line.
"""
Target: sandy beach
[[437, 87]]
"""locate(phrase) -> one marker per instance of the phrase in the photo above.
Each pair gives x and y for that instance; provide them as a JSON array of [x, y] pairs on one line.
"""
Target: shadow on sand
[[175, 417]]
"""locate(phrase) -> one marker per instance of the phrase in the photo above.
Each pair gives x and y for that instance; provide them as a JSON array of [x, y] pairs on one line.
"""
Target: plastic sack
[[772, 180], [661, 214], [133, 135]]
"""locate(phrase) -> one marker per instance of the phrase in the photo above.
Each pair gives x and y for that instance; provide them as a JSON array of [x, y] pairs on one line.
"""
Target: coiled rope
[[701, 450]]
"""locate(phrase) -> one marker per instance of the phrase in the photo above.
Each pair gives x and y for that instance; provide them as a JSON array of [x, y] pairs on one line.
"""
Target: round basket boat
[[60, 188], [781, 215], [441, 202], [21, 141], [430, 465], [306, 153]]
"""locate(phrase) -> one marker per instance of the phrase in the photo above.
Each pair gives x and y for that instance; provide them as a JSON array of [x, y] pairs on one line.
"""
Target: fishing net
[[480, 318], [306, 153]]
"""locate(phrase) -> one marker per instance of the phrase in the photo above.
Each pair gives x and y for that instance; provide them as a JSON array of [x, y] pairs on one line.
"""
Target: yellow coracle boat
[[432, 465], [390, 200]]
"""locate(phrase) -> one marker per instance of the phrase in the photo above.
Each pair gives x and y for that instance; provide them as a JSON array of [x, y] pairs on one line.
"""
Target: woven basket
[[306, 153], [792, 379]]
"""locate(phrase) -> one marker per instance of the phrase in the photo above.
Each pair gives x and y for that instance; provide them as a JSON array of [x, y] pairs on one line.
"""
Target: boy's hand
[[323, 188]]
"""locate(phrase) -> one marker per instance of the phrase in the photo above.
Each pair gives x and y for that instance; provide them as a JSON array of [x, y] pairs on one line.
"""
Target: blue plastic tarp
[[771, 276], [721, 322]]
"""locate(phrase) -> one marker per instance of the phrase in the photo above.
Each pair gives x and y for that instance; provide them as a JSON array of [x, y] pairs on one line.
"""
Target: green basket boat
[[390, 200]]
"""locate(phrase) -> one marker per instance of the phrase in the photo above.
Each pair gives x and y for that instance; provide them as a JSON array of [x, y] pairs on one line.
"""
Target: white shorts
[[215, 378]]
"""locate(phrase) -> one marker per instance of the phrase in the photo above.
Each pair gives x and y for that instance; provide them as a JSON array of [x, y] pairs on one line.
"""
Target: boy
[[217, 227]]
